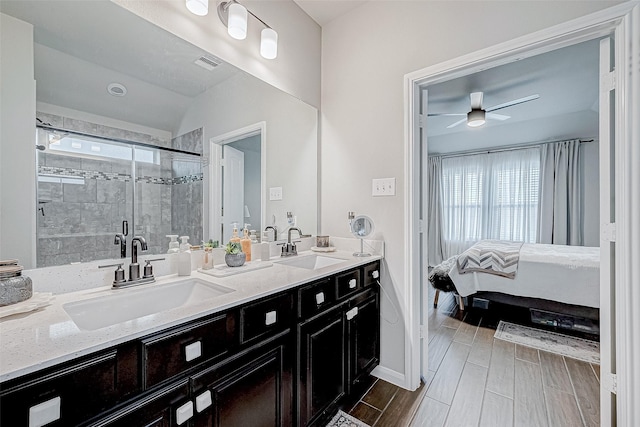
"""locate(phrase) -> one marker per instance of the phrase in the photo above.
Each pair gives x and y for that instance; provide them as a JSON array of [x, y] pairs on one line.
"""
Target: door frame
[[623, 20], [215, 183]]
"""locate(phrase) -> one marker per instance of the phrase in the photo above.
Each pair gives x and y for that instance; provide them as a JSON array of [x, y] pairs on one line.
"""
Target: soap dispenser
[[184, 257], [174, 246], [245, 242], [235, 237]]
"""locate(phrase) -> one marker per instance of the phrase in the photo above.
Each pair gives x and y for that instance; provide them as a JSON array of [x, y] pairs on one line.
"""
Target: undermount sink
[[311, 262], [134, 303]]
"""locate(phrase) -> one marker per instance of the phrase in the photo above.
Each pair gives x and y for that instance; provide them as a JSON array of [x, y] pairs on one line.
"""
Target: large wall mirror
[[126, 118]]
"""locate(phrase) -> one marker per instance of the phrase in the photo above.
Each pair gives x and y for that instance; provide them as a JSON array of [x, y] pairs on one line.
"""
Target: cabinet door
[[321, 372], [363, 326], [169, 406], [252, 389]]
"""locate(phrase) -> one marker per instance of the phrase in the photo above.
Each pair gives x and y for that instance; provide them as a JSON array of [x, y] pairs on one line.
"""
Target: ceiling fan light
[[269, 43], [198, 7], [237, 27], [476, 118]]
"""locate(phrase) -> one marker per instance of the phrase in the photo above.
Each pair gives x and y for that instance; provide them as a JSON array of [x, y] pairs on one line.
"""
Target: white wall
[[291, 142], [17, 142], [365, 55], [296, 70]]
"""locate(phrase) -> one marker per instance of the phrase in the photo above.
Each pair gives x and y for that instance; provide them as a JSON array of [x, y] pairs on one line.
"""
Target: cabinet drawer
[[71, 393], [162, 408], [315, 298], [347, 283], [268, 316], [369, 273], [170, 353]]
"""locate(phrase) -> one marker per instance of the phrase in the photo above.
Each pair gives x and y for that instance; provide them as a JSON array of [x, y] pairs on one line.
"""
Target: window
[[490, 196]]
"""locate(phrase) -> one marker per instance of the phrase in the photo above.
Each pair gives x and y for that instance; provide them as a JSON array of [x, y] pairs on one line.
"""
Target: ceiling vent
[[208, 62]]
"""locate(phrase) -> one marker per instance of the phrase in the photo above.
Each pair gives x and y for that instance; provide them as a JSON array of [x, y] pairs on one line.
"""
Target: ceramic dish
[[38, 300], [327, 249]]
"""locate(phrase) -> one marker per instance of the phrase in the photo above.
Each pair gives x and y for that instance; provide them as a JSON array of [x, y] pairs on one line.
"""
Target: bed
[[557, 273]]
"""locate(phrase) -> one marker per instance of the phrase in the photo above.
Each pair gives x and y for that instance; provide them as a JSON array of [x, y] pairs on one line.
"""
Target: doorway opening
[[237, 181], [617, 22]]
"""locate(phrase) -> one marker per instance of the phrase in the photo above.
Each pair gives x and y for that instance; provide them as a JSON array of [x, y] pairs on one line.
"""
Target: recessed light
[[116, 89]]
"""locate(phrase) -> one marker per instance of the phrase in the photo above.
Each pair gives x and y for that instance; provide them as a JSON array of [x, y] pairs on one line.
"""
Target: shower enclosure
[[89, 187]]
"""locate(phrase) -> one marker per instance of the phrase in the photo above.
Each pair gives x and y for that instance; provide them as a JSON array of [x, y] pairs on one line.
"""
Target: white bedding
[[567, 274]]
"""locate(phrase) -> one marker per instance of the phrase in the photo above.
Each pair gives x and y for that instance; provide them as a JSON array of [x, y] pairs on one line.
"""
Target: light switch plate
[[275, 193], [383, 187]]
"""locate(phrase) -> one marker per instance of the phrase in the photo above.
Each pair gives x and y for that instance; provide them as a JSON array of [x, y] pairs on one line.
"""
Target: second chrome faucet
[[134, 268]]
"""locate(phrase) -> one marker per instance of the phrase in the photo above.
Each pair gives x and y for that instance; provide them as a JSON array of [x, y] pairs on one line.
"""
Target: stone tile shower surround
[[80, 214]]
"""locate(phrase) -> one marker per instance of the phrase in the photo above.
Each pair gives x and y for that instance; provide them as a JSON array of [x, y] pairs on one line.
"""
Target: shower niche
[[90, 187]]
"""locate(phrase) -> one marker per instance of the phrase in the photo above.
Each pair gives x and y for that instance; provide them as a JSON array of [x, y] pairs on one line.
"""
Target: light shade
[[237, 24], [475, 118], [198, 7], [269, 43]]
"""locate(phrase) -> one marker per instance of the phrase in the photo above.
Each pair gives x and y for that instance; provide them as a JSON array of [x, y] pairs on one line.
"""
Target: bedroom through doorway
[[525, 175]]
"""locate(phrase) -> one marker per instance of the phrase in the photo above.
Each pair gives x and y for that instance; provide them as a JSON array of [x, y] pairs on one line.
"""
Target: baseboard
[[390, 376]]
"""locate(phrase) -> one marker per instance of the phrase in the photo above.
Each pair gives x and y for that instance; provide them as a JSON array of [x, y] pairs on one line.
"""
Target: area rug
[[345, 420], [576, 348]]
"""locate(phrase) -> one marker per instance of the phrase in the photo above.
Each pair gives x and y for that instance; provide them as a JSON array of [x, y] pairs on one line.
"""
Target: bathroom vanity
[[284, 355]]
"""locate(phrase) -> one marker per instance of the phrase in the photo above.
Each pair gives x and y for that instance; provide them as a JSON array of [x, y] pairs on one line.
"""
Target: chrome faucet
[[289, 249], [134, 267], [122, 241], [275, 231], [289, 233]]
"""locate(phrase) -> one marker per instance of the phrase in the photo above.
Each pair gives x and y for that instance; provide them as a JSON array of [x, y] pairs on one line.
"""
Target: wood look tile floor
[[476, 380]]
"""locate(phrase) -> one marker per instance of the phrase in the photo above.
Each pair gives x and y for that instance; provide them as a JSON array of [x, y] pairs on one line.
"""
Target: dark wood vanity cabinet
[[253, 388], [338, 346], [283, 360], [72, 392]]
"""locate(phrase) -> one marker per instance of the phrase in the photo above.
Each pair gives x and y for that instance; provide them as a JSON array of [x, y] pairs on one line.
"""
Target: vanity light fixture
[[235, 16], [198, 7]]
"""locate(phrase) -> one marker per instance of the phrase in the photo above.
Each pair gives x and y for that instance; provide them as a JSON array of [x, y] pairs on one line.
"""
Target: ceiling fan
[[478, 115]]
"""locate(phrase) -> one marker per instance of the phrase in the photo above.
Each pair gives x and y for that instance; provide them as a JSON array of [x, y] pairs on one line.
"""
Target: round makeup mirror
[[361, 227]]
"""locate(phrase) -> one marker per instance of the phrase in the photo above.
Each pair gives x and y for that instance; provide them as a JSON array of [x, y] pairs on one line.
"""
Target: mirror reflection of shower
[[87, 186]]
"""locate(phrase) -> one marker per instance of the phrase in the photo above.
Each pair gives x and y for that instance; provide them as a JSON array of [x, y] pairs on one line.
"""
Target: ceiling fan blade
[[459, 122], [476, 100], [446, 114], [497, 116], [512, 103]]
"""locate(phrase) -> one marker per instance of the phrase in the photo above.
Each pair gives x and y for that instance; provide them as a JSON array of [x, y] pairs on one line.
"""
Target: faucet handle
[[118, 274], [148, 268]]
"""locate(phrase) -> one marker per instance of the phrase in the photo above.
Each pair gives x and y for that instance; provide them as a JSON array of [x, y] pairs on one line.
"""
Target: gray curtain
[[560, 204], [435, 243]]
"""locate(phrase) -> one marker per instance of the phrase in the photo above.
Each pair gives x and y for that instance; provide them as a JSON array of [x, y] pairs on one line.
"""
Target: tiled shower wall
[[79, 217]]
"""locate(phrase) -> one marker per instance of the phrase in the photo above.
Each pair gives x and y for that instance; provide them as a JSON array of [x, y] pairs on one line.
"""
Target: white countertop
[[48, 336]]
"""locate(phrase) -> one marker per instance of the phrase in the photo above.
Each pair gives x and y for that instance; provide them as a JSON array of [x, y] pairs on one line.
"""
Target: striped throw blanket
[[491, 256]]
